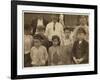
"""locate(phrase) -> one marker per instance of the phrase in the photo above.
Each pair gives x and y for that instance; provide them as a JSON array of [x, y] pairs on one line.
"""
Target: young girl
[[55, 51], [38, 54], [28, 40]]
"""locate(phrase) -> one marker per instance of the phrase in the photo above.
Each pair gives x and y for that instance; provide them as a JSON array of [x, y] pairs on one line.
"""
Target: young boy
[[39, 53], [80, 49], [67, 38], [28, 40], [67, 46]]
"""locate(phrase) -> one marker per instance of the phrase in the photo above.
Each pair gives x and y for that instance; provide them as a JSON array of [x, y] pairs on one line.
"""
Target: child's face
[[80, 36], [67, 33], [37, 42], [55, 42]]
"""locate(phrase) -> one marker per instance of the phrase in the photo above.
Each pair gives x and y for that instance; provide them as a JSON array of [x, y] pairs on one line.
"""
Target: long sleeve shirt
[[81, 50], [39, 56]]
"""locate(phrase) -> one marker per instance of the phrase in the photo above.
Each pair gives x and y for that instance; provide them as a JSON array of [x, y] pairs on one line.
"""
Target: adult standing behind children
[[83, 23], [38, 21], [54, 28]]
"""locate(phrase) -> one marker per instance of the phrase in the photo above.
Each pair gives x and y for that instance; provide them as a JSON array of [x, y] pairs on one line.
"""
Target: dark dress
[[81, 51]]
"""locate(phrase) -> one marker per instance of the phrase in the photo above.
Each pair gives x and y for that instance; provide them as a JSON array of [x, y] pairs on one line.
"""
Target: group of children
[[39, 51]]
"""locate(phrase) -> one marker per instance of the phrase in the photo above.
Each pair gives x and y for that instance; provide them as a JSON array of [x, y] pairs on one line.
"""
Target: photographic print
[[53, 41]]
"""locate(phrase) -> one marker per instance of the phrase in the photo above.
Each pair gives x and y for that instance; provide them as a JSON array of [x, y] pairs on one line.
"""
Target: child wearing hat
[[80, 50]]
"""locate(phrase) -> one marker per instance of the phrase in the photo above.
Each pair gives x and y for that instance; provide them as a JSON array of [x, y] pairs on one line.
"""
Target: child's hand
[[75, 60], [80, 60]]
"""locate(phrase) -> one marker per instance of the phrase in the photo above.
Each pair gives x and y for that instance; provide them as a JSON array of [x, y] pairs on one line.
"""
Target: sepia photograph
[[53, 39]]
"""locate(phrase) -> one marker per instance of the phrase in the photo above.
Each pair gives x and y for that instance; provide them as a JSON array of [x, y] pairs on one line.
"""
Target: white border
[[54, 69]]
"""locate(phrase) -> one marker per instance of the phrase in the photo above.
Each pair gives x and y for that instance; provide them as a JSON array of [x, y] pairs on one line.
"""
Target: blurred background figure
[[61, 20], [40, 30], [83, 23], [39, 21]]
